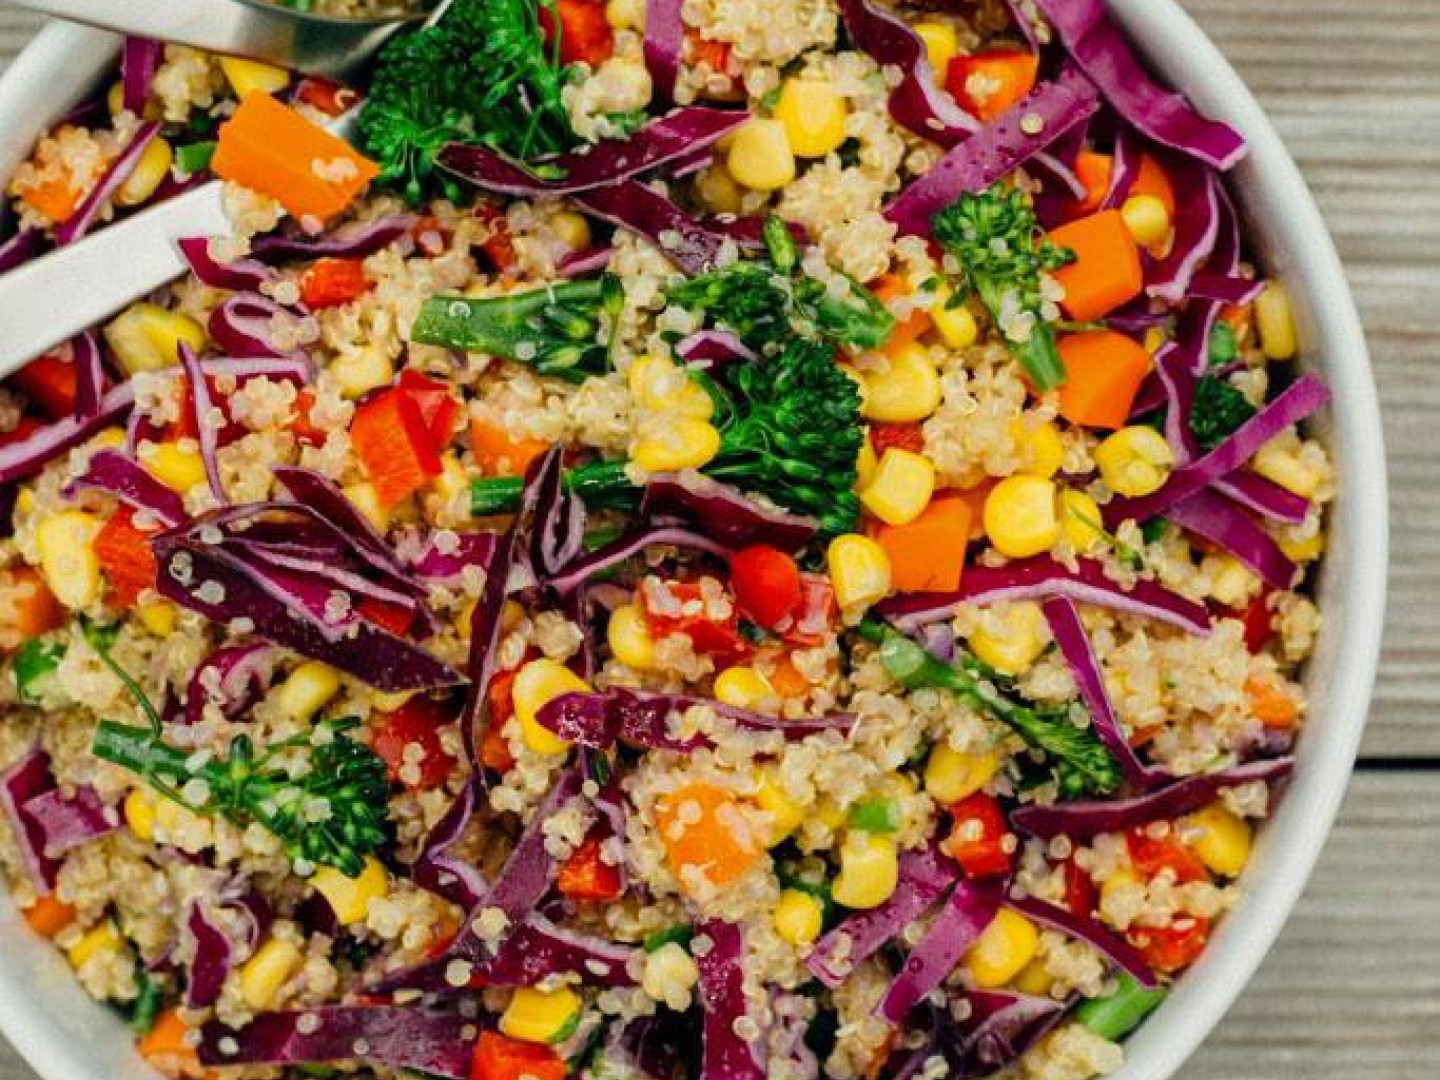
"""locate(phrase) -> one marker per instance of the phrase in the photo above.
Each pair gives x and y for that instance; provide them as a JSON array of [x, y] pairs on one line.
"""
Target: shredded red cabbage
[[664, 43], [29, 455], [202, 411], [352, 242], [970, 907], [211, 954], [1214, 518], [1265, 497], [78, 223], [244, 275], [726, 1056], [581, 570], [1083, 928], [84, 352], [64, 822], [1001, 1025], [139, 61], [231, 678], [24, 781], [120, 475], [713, 349], [242, 325], [20, 248], [456, 879], [725, 512], [690, 243], [1197, 224]]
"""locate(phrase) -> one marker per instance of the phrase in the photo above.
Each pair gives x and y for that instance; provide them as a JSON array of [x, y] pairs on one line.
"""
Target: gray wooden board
[[1353, 987]]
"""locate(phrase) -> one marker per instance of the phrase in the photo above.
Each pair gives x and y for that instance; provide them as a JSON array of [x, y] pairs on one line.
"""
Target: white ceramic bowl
[[66, 1036]]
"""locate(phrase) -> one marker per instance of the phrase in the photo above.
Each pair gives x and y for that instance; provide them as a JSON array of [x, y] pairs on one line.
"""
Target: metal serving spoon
[[51, 299]]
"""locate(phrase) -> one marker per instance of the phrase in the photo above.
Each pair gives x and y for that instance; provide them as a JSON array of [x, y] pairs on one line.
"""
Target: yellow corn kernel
[[1120, 890], [786, 815], [680, 443], [365, 497], [904, 386], [830, 814], [67, 557], [452, 483], [1002, 950], [660, 385], [625, 14], [571, 229], [1154, 339], [865, 463], [115, 103], [760, 157], [103, 937], [869, 870], [1275, 321], [1034, 979], [1081, 520], [798, 917], [358, 372], [267, 971], [349, 898], [1232, 583], [1279, 463], [179, 468], [541, 1016], [859, 570], [146, 337], [149, 172], [385, 701], [1135, 461], [629, 637], [1147, 219], [25, 501], [951, 775], [743, 687], [1223, 843], [1012, 650], [537, 683], [245, 76], [941, 45], [1303, 550], [1039, 446], [956, 325], [717, 189], [900, 488], [813, 113], [158, 617], [1020, 516], [306, 690], [140, 813]]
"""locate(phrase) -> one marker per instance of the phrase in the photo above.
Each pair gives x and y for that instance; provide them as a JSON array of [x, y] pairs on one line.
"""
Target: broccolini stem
[[1116, 1015], [601, 485]]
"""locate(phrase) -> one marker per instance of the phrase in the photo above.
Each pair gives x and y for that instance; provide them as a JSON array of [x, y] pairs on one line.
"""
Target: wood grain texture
[[1353, 987]]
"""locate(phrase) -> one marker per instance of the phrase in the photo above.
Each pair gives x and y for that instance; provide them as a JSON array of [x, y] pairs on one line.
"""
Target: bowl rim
[[33, 979]]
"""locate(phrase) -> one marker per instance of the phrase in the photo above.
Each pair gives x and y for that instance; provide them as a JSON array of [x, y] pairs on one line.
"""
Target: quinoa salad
[[719, 540]]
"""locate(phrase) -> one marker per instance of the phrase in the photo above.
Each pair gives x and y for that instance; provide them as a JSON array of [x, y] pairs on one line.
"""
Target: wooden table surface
[[1352, 990]]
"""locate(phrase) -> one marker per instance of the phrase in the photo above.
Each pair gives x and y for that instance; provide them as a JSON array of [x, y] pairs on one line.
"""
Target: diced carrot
[[1106, 272], [28, 608], [880, 1057], [394, 445], [586, 876], [1151, 179], [988, 83], [48, 915], [928, 554], [701, 50], [896, 434], [125, 558], [585, 34], [1093, 170], [166, 1047], [497, 453], [57, 199], [48, 381], [332, 282], [498, 1057], [270, 148], [785, 677], [704, 831], [1270, 702], [494, 750], [1103, 373]]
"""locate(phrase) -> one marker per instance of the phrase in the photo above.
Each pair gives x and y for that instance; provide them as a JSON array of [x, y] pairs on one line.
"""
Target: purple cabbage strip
[[78, 223], [1040, 577], [1227, 288], [693, 244], [1290, 406], [1265, 497], [322, 498], [713, 349], [436, 1041], [1214, 518], [993, 152], [64, 822], [241, 325], [664, 43], [1074, 645], [970, 907], [447, 566], [1125, 161], [1083, 928], [211, 955], [722, 997], [557, 525], [924, 875], [1197, 226], [581, 570], [540, 948], [29, 455], [89, 373], [661, 142], [1082, 820], [1177, 379], [230, 678], [245, 275], [579, 264], [139, 61], [1098, 49], [1001, 1026], [20, 248], [352, 242], [725, 513], [201, 408], [456, 879], [122, 476], [23, 782]]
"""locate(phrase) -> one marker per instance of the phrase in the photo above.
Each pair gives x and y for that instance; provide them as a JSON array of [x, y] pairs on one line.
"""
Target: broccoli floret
[[789, 429], [482, 74], [1216, 411], [996, 240]]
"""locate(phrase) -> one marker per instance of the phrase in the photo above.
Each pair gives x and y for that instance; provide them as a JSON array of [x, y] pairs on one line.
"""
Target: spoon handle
[[311, 44]]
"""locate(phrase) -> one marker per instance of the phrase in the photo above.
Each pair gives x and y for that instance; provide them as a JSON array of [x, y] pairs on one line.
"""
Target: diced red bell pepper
[[415, 723], [1151, 856], [494, 750], [1002, 77], [438, 407], [1168, 949], [585, 876], [708, 636], [305, 430], [498, 1057], [49, 382], [1081, 897], [429, 235], [394, 445], [1257, 619], [766, 583], [498, 247], [814, 617], [333, 282], [395, 618], [183, 427], [125, 558], [701, 50], [977, 839], [585, 34], [900, 435], [327, 95]]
